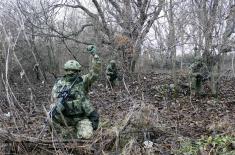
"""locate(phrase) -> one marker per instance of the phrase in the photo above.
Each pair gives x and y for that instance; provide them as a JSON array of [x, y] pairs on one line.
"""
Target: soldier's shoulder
[[84, 77], [204, 64], [192, 65], [59, 80], [108, 65]]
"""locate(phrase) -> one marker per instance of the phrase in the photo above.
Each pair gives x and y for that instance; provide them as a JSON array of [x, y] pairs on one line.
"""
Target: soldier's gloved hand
[[94, 118], [96, 57], [71, 96], [108, 77], [46, 120], [91, 49]]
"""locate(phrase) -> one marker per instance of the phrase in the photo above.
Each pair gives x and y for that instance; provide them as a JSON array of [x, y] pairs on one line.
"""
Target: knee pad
[[84, 129]]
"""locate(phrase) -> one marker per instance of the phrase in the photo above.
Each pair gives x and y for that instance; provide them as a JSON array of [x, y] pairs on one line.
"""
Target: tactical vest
[[73, 105]]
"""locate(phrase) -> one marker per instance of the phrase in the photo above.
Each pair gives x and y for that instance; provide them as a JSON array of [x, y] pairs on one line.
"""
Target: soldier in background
[[198, 75], [36, 71], [111, 73]]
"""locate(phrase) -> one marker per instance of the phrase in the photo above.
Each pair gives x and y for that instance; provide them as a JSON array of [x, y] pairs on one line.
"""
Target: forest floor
[[131, 114]]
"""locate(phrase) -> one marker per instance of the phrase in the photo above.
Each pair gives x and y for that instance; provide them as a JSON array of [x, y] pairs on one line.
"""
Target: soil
[[130, 114]]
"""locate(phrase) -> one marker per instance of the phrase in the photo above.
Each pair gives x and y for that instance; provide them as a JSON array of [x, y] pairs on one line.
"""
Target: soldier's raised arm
[[93, 74]]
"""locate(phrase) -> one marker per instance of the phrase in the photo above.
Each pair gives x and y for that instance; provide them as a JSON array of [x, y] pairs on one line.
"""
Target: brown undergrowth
[[134, 120]]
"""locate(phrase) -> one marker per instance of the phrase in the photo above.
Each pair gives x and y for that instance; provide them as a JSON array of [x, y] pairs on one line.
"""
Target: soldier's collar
[[70, 77]]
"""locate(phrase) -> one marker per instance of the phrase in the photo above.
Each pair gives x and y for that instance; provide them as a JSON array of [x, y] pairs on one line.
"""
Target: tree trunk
[[37, 56], [53, 62], [172, 43], [229, 29], [136, 53]]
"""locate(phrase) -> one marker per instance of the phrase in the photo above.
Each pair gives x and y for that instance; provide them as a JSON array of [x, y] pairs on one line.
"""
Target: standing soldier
[[198, 75], [36, 71], [111, 73], [77, 112]]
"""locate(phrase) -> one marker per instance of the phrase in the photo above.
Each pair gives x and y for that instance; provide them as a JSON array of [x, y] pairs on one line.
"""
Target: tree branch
[[150, 22], [101, 14], [77, 6], [116, 6]]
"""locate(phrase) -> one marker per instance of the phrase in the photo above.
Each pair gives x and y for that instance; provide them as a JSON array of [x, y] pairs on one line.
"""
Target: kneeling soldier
[[76, 111]]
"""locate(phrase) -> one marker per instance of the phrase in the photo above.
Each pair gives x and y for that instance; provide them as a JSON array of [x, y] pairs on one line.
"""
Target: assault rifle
[[64, 94]]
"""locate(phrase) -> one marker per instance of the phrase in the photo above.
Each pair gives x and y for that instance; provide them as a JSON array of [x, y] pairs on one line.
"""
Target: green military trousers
[[74, 128], [196, 86]]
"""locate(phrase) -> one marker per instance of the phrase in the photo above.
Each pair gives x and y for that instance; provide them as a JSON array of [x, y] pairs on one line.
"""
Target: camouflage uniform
[[198, 74], [78, 117], [111, 73]]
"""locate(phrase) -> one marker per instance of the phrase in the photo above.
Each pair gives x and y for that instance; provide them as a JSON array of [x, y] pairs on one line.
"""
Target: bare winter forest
[[154, 42]]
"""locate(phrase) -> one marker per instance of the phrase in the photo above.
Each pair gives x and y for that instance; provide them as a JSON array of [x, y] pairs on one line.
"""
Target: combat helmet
[[112, 62], [72, 65]]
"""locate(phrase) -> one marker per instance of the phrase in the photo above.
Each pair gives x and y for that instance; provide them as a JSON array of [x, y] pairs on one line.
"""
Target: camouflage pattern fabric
[[75, 128], [111, 73], [198, 75], [84, 129], [78, 107]]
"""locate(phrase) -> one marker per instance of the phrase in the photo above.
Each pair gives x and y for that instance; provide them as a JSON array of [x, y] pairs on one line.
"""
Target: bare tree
[[134, 19]]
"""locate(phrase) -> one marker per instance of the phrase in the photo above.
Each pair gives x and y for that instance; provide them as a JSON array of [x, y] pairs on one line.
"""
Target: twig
[[123, 80]]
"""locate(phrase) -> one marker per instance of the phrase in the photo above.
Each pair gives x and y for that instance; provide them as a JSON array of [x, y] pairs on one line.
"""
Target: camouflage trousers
[[197, 86], [74, 128], [110, 83]]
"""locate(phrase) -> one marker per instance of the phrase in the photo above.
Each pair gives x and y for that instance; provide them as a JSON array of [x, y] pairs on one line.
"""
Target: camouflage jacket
[[199, 69], [111, 72], [78, 105]]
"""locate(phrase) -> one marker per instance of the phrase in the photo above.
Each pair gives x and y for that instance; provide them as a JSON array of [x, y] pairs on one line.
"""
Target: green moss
[[217, 144]]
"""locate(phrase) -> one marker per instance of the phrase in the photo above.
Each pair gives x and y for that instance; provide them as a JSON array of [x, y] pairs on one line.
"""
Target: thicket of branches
[[37, 37]]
